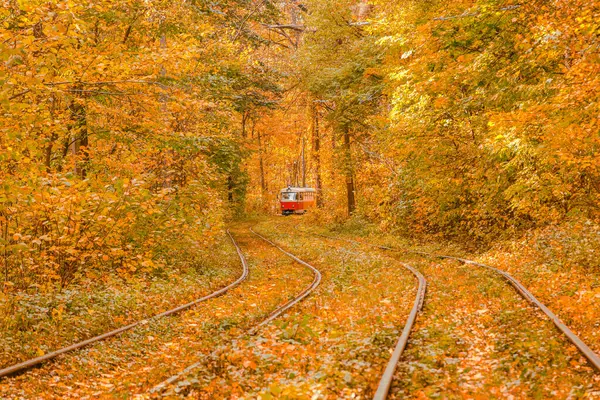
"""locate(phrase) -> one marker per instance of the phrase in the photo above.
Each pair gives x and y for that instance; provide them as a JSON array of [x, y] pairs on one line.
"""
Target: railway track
[[23, 366], [388, 375], [273, 315], [386, 379], [585, 350]]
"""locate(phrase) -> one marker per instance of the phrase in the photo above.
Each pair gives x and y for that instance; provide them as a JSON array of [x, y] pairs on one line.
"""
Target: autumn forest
[[446, 154]]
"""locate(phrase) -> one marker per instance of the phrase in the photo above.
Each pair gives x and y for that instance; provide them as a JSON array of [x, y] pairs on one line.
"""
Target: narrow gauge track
[[584, 349], [21, 367], [274, 314], [386, 379]]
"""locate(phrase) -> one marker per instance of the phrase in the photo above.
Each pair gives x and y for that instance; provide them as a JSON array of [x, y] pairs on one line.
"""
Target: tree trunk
[[244, 119], [52, 139], [230, 188], [79, 137], [295, 173], [263, 184], [348, 172], [316, 138], [163, 97], [303, 163], [48, 153]]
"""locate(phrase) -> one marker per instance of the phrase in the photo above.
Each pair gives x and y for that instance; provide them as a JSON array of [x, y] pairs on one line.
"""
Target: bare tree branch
[[246, 18], [19, 94], [299, 28], [102, 83]]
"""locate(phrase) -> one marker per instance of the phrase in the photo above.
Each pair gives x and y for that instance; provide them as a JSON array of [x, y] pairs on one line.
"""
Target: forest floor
[[474, 338]]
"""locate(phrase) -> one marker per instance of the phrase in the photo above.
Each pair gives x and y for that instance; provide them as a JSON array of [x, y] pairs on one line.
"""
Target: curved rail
[[388, 375], [584, 349], [274, 314], [38, 360], [300, 296]]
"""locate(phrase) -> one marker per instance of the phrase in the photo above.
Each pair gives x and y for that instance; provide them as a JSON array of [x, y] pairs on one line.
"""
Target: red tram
[[297, 200]]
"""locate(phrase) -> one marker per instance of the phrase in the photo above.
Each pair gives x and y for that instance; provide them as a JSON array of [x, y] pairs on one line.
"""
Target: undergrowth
[[36, 321]]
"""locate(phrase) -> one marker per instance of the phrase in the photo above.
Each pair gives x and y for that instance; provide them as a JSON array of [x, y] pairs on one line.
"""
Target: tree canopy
[[124, 123]]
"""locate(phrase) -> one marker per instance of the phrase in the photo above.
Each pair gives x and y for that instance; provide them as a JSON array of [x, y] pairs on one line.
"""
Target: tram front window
[[288, 196]]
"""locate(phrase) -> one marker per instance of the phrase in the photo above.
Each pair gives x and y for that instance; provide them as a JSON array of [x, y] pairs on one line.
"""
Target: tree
[[337, 61]]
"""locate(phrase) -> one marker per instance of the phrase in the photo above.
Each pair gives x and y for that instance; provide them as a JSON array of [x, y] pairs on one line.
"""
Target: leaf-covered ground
[[475, 338], [138, 359], [478, 338], [35, 322], [333, 345], [559, 269]]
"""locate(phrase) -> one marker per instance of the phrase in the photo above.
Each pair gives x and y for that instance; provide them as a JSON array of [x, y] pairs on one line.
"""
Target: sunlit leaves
[[118, 133], [496, 99]]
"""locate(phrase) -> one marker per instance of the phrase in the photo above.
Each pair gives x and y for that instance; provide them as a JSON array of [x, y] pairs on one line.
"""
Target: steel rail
[[388, 375], [385, 382], [301, 295], [273, 315], [584, 349], [38, 360]]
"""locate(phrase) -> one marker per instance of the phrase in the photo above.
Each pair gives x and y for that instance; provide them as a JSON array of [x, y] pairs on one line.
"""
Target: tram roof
[[298, 189]]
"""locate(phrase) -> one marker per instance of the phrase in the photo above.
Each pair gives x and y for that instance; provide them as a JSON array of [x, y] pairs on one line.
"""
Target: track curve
[[388, 375], [20, 367], [301, 295], [385, 382], [584, 349], [273, 315]]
